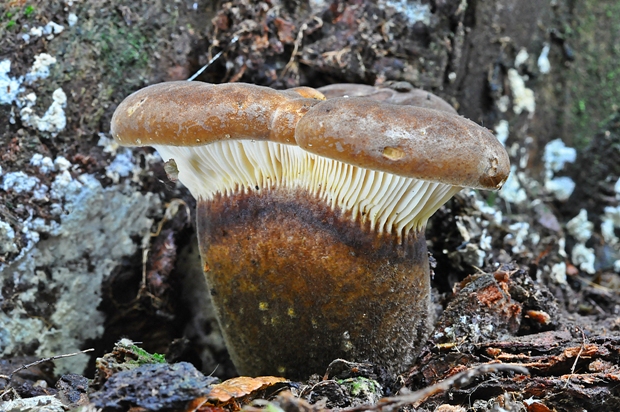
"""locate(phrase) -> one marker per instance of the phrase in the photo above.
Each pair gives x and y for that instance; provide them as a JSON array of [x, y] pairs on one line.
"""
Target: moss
[[10, 15], [360, 386], [108, 55], [491, 198], [594, 79], [28, 10], [143, 357], [123, 49]]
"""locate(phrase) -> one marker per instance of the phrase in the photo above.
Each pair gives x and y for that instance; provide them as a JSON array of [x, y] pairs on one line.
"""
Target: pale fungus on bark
[[311, 213]]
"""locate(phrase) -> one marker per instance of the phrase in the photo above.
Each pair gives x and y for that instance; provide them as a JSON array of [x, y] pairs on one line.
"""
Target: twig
[[297, 43], [457, 381], [213, 59], [583, 344], [9, 377], [51, 358], [172, 209]]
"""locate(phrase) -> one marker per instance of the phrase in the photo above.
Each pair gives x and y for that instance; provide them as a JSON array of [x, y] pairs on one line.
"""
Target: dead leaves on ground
[[232, 394]]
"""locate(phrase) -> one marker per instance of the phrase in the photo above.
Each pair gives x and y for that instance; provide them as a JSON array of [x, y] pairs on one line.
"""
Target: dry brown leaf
[[230, 394], [241, 387]]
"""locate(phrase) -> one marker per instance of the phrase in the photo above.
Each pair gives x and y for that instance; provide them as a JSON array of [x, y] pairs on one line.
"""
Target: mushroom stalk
[[311, 213], [298, 284]]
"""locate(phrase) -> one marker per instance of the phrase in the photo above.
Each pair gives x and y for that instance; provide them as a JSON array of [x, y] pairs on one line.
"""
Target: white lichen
[[36, 32], [40, 193], [122, 166], [521, 57], [53, 28], [584, 258], [496, 217], [610, 222], [50, 30], [46, 403], [558, 273], [557, 154], [502, 131], [40, 68], [555, 157], [561, 187], [11, 92], [519, 232], [62, 183], [485, 241], [503, 103], [44, 163], [61, 163], [414, 11], [543, 60], [512, 191], [579, 226], [54, 119], [95, 232], [72, 19], [522, 97], [10, 87], [18, 182], [109, 145], [7, 239]]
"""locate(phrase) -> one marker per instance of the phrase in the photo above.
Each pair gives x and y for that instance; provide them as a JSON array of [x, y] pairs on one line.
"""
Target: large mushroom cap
[[392, 165], [408, 141], [194, 113]]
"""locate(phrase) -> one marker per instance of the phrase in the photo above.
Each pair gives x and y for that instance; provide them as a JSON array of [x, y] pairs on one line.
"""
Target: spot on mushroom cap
[[307, 92], [194, 113], [407, 141]]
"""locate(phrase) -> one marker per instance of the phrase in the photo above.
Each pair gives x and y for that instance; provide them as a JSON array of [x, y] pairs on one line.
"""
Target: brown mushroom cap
[[193, 113], [395, 94], [407, 141]]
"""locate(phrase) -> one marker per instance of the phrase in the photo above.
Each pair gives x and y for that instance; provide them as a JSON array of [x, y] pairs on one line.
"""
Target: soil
[[508, 283]]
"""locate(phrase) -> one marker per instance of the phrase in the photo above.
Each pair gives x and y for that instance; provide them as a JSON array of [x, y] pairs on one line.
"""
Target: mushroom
[[311, 213]]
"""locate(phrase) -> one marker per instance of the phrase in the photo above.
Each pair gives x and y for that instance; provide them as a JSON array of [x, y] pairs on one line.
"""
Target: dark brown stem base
[[297, 284]]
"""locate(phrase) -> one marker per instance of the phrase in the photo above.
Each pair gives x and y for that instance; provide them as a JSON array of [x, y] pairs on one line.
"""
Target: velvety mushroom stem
[[309, 259], [298, 284]]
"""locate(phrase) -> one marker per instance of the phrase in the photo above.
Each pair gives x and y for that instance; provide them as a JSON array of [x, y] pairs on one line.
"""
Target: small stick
[[9, 377], [572, 369], [40, 361], [457, 381], [213, 59], [583, 343], [297, 43]]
